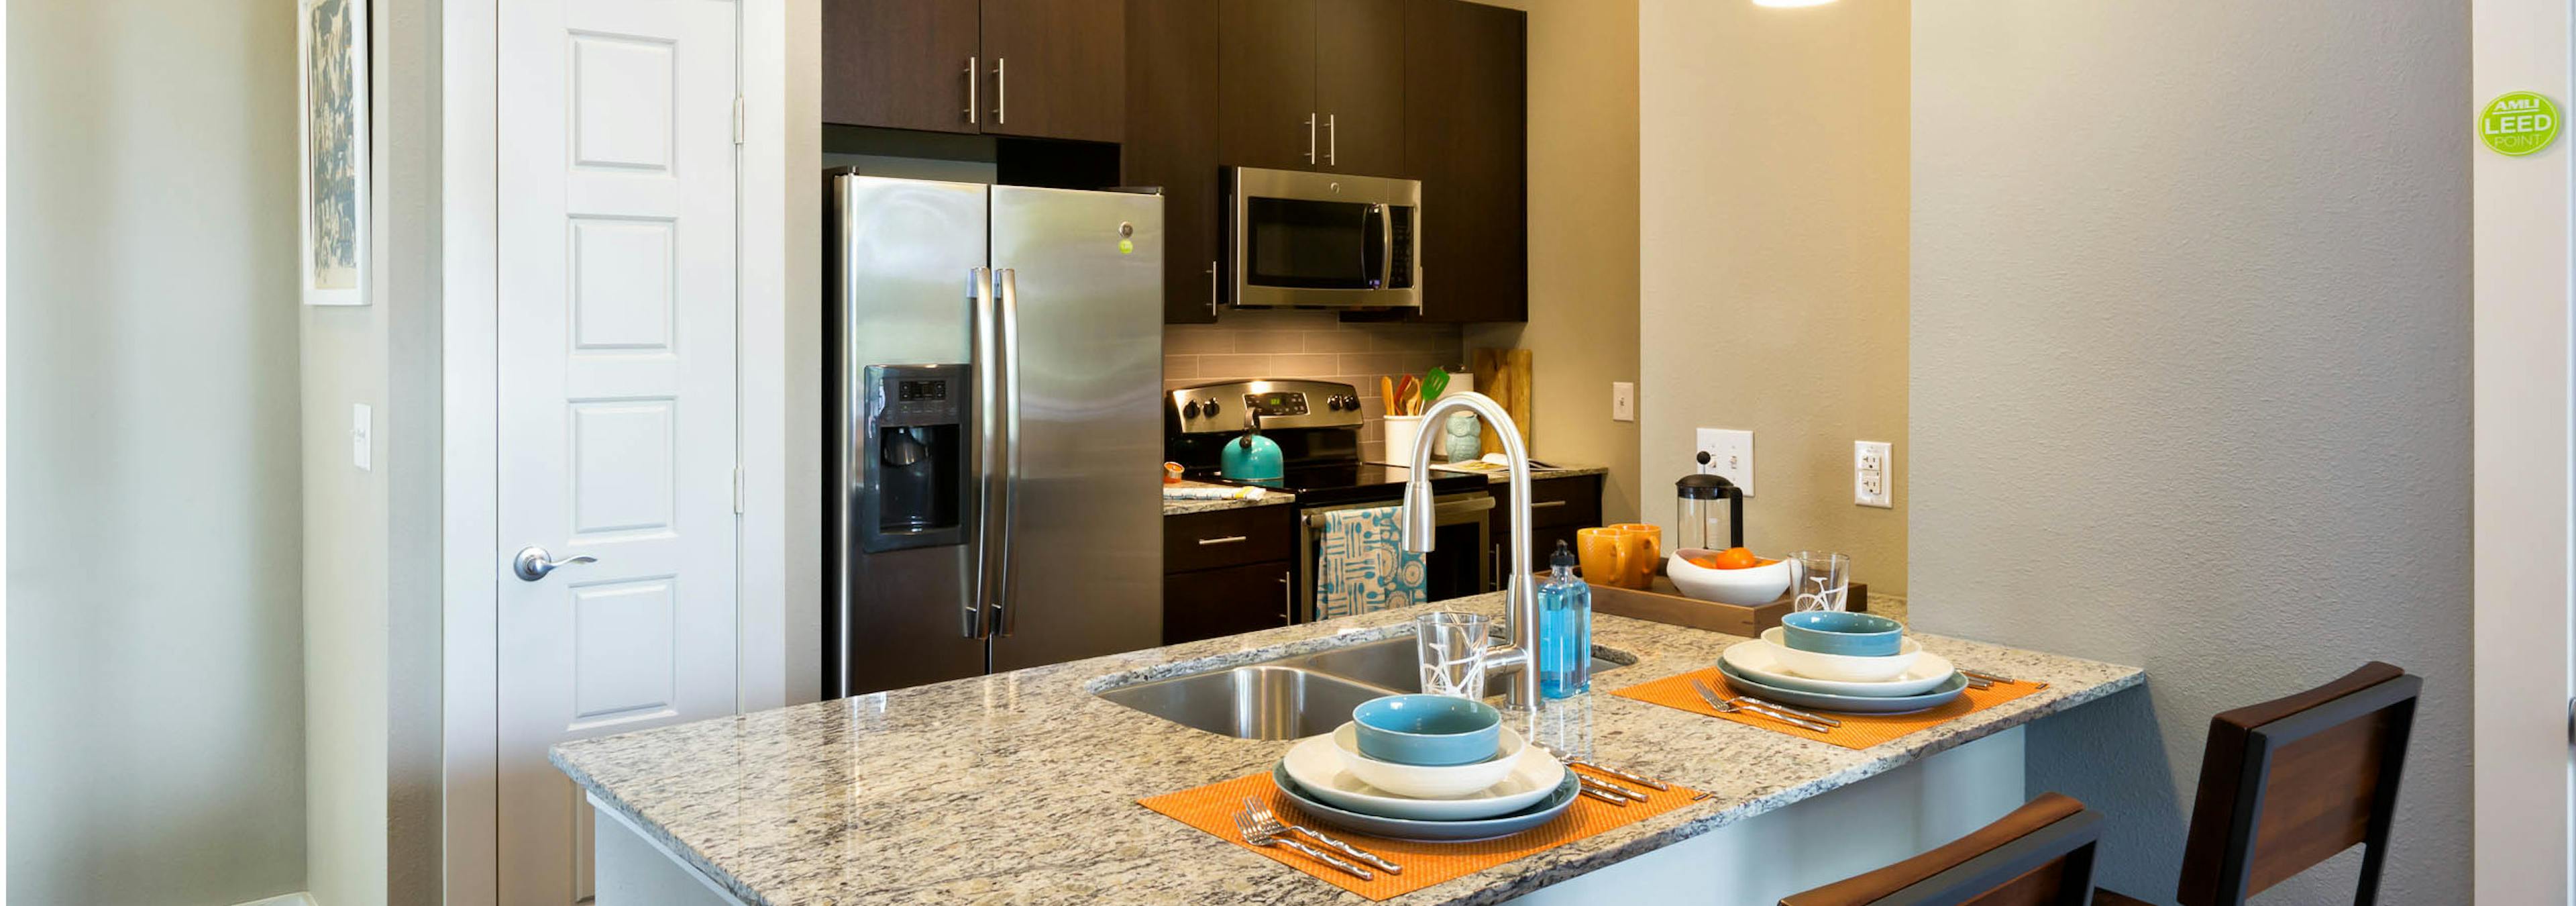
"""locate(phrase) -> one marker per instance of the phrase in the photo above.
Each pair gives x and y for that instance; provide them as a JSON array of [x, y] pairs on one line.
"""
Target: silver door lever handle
[[533, 564]]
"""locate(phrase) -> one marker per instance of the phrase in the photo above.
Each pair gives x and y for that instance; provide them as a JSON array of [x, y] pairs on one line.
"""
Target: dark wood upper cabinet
[[1172, 104], [1265, 108], [901, 64], [1359, 85], [1041, 68], [1056, 68], [1466, 138]]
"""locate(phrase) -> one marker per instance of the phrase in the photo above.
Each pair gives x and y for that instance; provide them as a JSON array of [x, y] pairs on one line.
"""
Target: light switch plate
[[1728, 453], [1623, 401], [1873, 464], [362, 436]]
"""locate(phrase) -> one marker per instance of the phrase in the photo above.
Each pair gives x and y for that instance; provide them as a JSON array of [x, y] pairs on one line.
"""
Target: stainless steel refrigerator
[[995, 362]]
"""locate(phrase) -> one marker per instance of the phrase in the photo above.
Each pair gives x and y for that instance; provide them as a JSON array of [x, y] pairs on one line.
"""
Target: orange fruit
[[1736, 558]]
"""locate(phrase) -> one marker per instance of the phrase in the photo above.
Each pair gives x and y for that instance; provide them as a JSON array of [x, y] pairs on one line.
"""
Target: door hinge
[[737, 490], [737, 119]]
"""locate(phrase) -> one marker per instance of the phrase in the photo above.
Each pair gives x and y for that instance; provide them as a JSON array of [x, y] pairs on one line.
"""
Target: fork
[[1251, 831], [1725, 705], [1572, 759], [1270, 824], [1784, 709]]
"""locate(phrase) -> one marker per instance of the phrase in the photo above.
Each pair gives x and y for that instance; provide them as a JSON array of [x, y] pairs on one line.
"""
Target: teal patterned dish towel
[[1362, 566]]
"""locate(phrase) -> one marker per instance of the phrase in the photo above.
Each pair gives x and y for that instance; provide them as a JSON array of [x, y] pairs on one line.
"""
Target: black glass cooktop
[[1327, 484]]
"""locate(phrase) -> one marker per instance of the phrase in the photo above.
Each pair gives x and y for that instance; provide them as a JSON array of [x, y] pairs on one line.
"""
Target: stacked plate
[[1519, 787], [1907, 681]]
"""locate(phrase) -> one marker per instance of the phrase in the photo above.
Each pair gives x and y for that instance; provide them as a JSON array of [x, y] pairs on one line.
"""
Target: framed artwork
[[331, 48]]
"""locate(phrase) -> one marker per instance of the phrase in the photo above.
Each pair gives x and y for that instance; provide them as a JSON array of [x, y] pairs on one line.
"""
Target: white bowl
[[1751, 586], [1762, 661], [1316, 765], [1427, 782], [1843, 666]]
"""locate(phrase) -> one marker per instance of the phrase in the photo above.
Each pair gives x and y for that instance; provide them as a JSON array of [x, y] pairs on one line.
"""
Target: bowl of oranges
[[1731, 576]]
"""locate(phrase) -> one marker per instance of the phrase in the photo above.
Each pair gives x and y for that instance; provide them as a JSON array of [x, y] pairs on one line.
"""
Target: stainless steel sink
[[1261, 701], [1397, 664], [1297, 696]]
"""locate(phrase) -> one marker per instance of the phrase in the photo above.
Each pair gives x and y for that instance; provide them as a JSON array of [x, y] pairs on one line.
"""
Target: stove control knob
[[1333, 403], [1211, 407], [1348, 402], [1190, 410]]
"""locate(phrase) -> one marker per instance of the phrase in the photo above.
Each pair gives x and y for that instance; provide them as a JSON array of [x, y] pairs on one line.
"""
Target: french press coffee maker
[[1695, 512]]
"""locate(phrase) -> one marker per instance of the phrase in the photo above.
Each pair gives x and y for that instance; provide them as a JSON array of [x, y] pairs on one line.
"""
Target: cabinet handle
[[1310, 138], [1287, 601], [1332, 140], [1212, 290], [1229, 539], [1001, 90], [1544, 504], [974, 80]]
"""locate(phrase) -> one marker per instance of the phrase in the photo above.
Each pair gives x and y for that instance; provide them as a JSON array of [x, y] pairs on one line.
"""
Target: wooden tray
[[1663, 603]]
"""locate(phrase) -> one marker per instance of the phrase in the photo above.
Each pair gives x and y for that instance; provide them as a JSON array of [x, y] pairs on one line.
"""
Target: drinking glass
[[1452, 648], [1823, 579]]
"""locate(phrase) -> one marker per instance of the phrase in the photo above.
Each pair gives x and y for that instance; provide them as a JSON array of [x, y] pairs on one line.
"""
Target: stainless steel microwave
[[1322, 240]]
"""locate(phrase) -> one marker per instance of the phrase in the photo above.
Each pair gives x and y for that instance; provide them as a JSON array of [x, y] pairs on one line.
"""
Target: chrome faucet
[[1519, 659]]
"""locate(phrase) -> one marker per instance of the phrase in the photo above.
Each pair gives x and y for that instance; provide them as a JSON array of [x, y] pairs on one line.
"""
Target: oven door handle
[[1444, 511]]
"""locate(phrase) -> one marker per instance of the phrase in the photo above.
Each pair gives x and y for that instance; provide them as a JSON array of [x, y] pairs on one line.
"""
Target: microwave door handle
[[1385, 246], [988, 463], [1004, 609]]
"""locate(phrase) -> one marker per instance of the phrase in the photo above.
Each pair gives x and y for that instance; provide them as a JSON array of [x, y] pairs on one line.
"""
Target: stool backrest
[[2290, 782], [2040, 855]]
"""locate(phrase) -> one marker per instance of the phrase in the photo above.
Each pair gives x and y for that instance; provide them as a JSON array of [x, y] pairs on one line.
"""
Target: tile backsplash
[[1309, 344]]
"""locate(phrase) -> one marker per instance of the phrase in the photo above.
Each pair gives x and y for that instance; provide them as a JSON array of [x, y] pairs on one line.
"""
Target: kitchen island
[[1022, 788]]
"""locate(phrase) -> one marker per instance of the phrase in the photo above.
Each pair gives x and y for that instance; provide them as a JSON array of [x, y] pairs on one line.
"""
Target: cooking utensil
[[1992, 678], [1252, 834], [1596, 783], [1433, 384], [1562, 756], [1270, 824], [1386, 394], [1710, 695], [1784, 709]]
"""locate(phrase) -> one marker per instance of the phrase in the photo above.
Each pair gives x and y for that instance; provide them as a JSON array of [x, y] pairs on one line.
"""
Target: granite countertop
[[1021, 787], [1177, 507]]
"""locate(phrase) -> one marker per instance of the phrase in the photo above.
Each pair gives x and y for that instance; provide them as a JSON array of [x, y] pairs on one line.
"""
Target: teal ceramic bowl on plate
[[1428, 730], [1842, 632]]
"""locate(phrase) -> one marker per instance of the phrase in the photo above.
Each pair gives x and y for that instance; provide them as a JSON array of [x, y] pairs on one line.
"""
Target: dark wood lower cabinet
[[1221, 602]]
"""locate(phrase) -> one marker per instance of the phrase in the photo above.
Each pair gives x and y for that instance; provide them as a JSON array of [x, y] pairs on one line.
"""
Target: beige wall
[[156, 699], [1582, 329], [2191, 382], [1774, 260]]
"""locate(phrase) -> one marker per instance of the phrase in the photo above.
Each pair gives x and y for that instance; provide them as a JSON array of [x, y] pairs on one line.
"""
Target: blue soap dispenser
[[1564, 629]]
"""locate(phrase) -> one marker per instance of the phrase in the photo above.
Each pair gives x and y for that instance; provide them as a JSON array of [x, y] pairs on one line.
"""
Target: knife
[[1710, 695]]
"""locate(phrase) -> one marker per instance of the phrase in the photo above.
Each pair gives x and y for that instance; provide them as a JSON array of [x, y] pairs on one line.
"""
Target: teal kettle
[[1252, 457]]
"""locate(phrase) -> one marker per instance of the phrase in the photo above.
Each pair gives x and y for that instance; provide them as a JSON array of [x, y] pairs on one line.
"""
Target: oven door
[[1322, 240], [1455, 568]]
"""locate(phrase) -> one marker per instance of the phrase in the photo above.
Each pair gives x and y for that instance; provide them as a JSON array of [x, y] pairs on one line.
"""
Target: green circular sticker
[[2518, 123]]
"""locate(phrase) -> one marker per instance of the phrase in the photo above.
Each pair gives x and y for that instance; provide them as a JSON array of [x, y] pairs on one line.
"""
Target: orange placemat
[[1211, 808], [1859, 731]]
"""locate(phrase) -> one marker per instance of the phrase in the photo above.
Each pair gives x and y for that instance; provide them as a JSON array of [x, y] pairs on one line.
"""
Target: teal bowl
[[1842, 632], [1427, 730]]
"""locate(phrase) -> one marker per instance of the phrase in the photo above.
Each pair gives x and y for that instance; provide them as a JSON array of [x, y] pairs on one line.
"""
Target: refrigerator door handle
[[1003, 608], [988, 461]]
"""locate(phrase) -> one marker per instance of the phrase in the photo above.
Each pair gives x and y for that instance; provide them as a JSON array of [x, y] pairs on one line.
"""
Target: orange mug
[[1624, 555]]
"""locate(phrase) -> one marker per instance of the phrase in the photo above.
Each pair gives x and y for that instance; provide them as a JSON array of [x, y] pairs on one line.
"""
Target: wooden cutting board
[[1504, 374]]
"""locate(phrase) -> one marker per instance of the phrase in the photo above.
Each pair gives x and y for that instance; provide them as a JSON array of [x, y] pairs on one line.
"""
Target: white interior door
[[616, 402]]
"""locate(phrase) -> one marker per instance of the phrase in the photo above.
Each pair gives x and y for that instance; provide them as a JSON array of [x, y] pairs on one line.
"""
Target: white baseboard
[[283, 899]]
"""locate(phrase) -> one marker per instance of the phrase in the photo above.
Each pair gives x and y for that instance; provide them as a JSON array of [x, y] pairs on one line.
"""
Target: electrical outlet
[[1623, 401], [1728, 453], [1871, 467]]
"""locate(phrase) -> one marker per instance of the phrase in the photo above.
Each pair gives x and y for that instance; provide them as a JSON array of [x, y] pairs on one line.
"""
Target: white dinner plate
[[1760, 660], [1316, 764]]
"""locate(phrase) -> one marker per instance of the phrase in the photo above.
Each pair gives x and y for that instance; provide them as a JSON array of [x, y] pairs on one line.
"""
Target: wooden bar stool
[[2290, 782], [2040, 855]]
